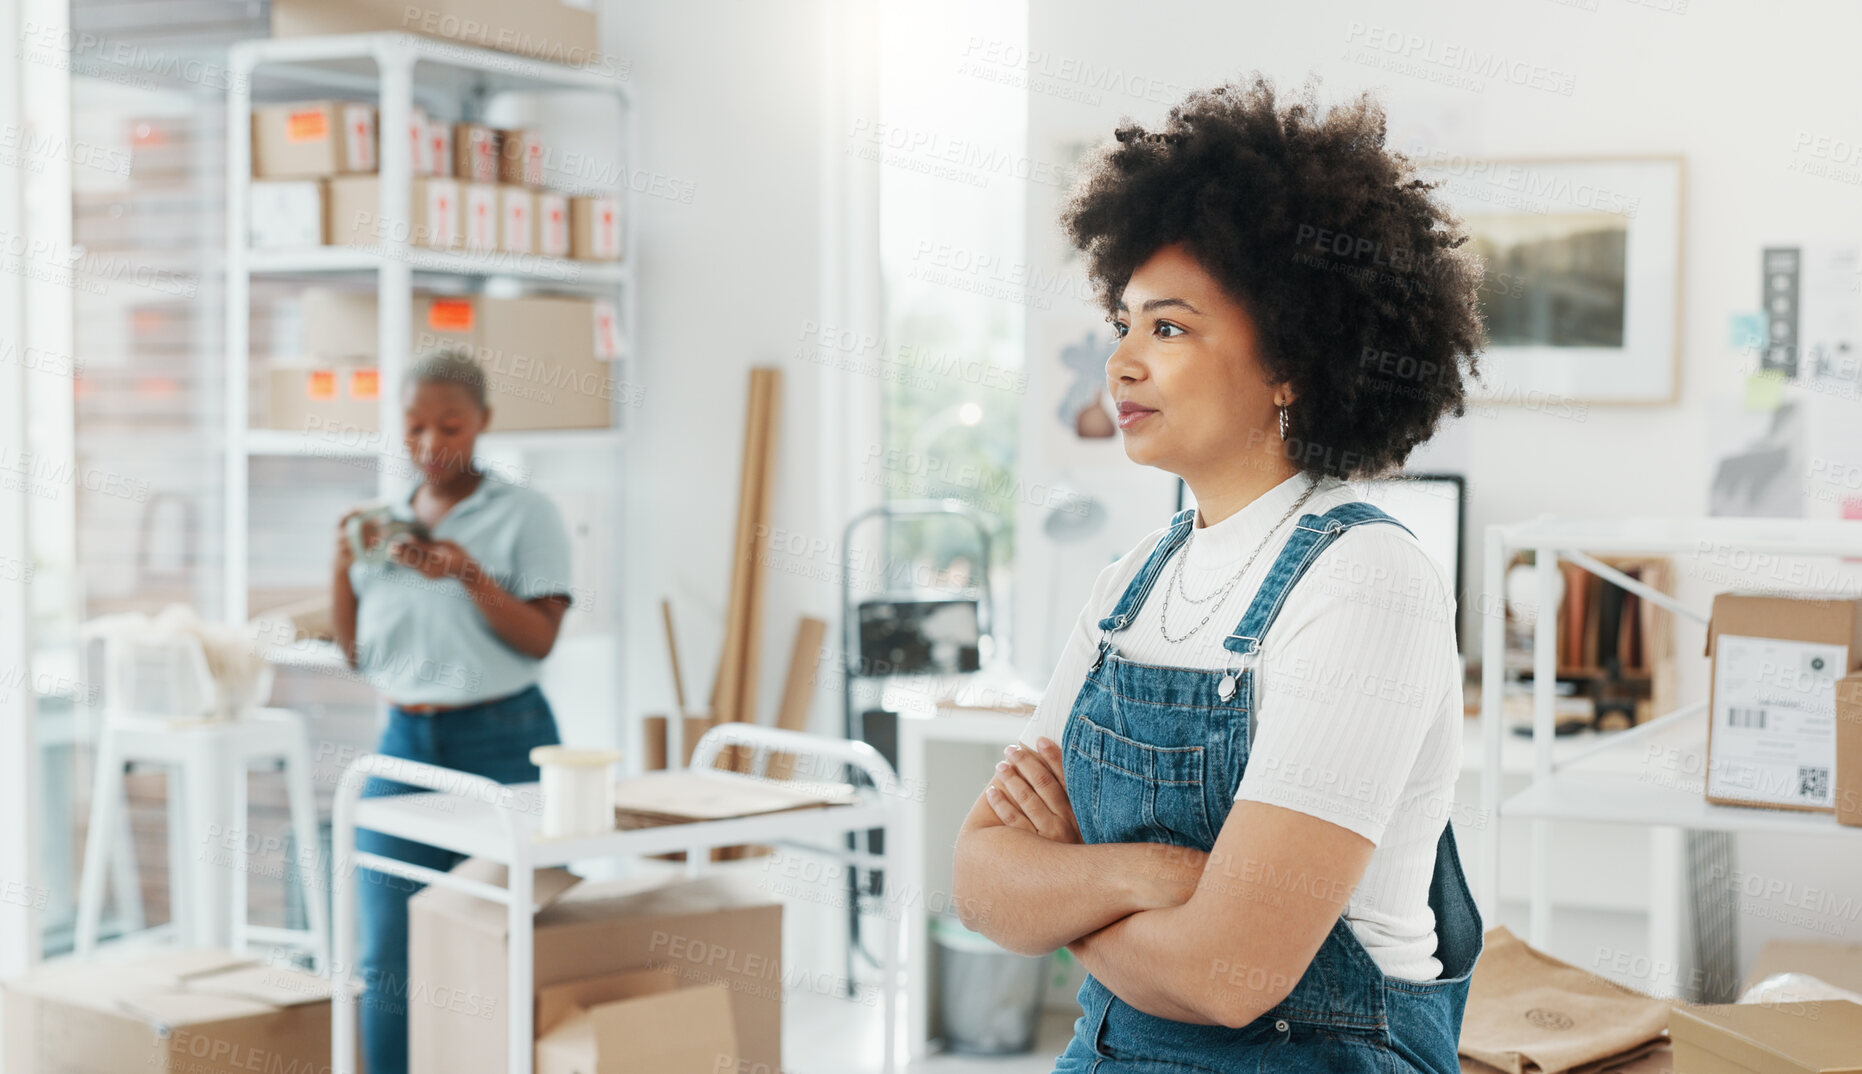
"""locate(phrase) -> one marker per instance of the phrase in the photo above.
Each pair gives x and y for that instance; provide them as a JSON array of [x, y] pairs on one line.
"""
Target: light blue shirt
[[422, 640]]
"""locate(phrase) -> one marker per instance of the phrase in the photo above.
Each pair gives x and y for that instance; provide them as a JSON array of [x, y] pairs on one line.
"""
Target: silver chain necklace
[[1215, 599]]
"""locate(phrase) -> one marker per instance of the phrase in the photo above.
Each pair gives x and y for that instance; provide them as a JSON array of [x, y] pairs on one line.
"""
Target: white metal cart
[[1611, 790], [486, 822]]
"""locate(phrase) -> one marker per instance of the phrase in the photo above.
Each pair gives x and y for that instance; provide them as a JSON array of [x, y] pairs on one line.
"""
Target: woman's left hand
[[1029, 792], [433, 559]]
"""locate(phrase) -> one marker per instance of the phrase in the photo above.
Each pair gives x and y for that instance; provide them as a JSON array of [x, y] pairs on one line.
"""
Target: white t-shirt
[[1358, 715]]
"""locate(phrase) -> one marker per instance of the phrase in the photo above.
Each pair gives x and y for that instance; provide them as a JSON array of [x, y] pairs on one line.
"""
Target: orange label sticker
[[365, 383], [321, 384], [310, 125], [450, 315]]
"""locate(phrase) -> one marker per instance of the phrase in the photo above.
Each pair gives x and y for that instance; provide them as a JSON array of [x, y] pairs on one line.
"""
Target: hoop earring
[[1283, 423]]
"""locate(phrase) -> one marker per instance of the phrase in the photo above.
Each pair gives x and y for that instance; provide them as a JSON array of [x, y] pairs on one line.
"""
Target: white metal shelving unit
[[399, 71], [1614, 787]]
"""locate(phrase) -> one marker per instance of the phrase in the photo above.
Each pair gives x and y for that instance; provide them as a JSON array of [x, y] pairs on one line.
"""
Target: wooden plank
[[672, 653], [727, 685], [798, 690]]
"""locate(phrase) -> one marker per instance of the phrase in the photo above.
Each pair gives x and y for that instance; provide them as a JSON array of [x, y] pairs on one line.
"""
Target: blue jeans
[[492, 739]]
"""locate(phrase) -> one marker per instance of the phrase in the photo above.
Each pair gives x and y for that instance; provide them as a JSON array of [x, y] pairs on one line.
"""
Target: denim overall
[[1155, 755]]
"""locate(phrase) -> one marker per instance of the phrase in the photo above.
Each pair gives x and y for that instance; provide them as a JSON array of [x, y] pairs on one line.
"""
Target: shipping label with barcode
[[1774, 720]]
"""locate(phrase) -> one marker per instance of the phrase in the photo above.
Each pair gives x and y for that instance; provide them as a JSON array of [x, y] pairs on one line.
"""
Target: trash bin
[[991, 998]]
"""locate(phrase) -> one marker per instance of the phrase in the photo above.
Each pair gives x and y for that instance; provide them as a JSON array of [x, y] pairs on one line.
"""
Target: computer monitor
[[1435, 508]]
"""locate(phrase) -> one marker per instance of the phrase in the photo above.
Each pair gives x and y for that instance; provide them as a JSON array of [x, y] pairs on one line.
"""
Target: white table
[[499, 823]]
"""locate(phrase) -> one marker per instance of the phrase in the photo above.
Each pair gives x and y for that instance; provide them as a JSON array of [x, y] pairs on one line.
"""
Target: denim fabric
[[1154, 755], [493, 740]]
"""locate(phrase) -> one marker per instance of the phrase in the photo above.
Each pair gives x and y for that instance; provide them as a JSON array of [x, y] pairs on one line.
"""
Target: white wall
[[726, 96], [1729, 87]]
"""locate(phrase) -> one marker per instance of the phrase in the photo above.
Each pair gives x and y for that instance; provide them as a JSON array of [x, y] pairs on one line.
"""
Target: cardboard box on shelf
[[608, 339], [1768, 1038], [560, 31], [444, 321], [285, 214], [328, 400], [355, 218], [539, 357], [595, 229], [520, 158], [517, 220], [312, 139], [440, 149], [198, 1011], [1849, 750], [1771, 730], [552, 224], [475, 153], [480, 227], [638, 1022], [339, 327], [714, 930], [539, 353], [419, 147]]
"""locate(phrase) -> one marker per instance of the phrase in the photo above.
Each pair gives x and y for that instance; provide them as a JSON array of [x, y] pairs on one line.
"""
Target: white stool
[[209, 760]]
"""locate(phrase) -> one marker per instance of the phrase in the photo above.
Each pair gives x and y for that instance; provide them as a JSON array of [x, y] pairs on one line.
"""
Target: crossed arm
[[1211, 939]]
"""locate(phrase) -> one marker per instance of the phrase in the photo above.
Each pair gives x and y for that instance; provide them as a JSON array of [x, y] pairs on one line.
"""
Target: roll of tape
[[577, 792]]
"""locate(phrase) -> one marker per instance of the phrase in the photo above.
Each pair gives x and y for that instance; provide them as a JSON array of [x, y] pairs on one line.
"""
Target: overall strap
[[1140, 586], [1311, 536]]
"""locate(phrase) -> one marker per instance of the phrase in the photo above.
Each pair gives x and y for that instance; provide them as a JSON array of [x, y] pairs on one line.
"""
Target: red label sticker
[[450, 315], [311, 125]]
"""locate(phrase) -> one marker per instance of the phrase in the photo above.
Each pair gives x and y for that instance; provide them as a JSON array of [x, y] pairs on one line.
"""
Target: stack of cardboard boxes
[[316, 165], [631, 977], [549, 361]]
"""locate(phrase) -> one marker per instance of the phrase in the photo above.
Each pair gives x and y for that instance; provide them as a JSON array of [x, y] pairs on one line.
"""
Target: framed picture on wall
[[1582, 293]]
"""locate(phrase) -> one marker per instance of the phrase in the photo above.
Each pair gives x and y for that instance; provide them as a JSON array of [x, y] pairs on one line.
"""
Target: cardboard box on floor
[[637, 1022], [714, 929], [192, 1011], [1768, 1038], [1771, 728], [561, 31]]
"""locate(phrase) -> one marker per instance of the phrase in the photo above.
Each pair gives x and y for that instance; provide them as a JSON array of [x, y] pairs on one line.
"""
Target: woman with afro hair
[[1232, 802]]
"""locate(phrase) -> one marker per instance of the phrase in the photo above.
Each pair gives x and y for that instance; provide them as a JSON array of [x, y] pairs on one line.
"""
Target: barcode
[[1745, 718], [1813, 783]]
